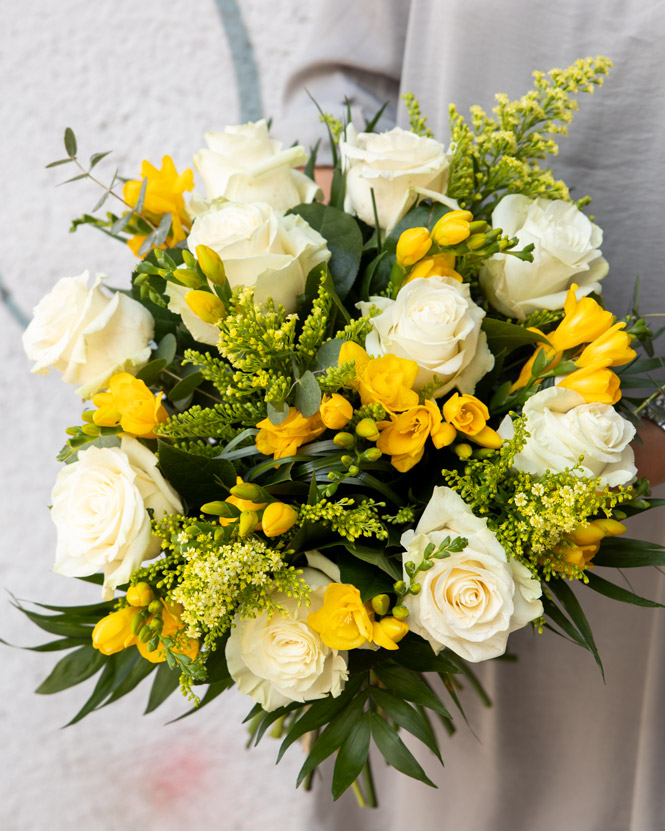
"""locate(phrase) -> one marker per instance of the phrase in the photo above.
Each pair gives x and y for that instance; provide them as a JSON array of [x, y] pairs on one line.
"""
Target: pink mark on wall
[[177, 773]]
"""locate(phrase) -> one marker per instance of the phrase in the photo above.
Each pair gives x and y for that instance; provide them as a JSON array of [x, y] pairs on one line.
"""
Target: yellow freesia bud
[[335, 411], [343, 621], [443, 435], [172, 628], [281, 440], [452, 228], [393, 628], [247, 490], [387, 380], [612, 348], [588, 534], [440, 265], [525, 374], [412, 246], [344, 440], [463, 451], [130, 404], [584, 321], [205, 305], [140, 595], [610, 527], [241, 504], [113, 633], [403, 438], [367, 428], [211, 264], [163, 195], [380, 603], [247, 522], [278, 518], [577, 555], [594, 383]]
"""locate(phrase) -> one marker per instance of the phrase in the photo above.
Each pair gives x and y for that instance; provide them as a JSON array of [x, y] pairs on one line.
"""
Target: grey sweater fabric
[[559, 748]]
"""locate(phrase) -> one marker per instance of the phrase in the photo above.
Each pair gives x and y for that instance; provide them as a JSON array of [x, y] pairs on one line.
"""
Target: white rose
[[435, 323], [261, 248], [200, 330], [100, 509], [276, 659], [87, 335], [396, 165], [471, 601], [244, 164], [563, 427], [566, 251]]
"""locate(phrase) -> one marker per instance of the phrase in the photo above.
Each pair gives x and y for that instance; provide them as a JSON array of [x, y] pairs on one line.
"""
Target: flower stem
[[369, 784], [360, 798]]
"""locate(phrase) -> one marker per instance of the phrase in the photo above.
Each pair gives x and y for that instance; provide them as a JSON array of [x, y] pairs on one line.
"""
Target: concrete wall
[[142, 78]]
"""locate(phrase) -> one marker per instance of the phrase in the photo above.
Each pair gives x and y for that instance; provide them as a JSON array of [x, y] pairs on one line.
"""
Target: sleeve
[[352, 50]]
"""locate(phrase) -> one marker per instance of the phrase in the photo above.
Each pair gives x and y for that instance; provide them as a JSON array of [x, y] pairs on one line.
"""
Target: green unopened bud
[[156, 624], [619, 514], [367, 429], [88, 416], [155, 608], [153, 643], [504, 244], [463, 451], [380, 604], [330, 490], [344, 440], [72, 431], [188, 277], [639, 504], [211, 264], [426, 565], [218, 535], [400, 587], [218, 508], [354, 470], [410, 568], [247, 490], [90, 430], [414, 588], [476, 241], [495, 233], [400, 612], [347, 460], [478, 226], [483, 452], [145, 634], [372, 454], [138, 621], [247, 522]]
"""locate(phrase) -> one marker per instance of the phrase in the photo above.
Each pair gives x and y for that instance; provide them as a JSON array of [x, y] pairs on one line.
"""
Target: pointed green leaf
[[620, 552], [395, 751], [120, 224], [96, 158], [571, 604], [410, 686], [165, 684], [352, 756], [73, 669], [502, 336], [407, 717], [116, 669], [139, 202], [58, 163], [618, 592]]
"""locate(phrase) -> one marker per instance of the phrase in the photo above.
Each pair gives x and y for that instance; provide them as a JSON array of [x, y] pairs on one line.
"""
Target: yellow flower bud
[[584, 321], [247, 490], [113, 633], [588, 534], [366, 428], [247, 522], [463, 451], [440, 265], [140, 595], [594, 383], [380, 603], [344, 440], [335, 411], [452, 228], [205, 305], [412, 246], [172, 628], [278, 518], [211, 264], [610, 527], [343, 621], [612, 348], [393, 628], [238, 502]]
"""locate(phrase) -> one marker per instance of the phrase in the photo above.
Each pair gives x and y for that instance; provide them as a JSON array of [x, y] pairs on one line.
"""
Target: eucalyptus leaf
[[328, 354], [120, 224], [167, 347], [308, 394], [277, 412], [139, 202], [96, 158], [185, 387], [70, 142], [151, 371], [58, 162]]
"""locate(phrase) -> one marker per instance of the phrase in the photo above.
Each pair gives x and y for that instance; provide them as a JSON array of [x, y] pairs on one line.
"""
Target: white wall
[[143, 78]]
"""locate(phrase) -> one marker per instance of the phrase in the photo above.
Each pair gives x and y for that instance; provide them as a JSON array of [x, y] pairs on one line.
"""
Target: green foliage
[[497, 155], [346, 518]]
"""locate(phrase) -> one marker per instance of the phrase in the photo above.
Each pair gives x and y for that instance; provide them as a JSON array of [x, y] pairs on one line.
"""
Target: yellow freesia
[[242, 505], [113, 633], [550, 353], [612, 348], [130, 404], [594, 383], [412, 246], [205, 305], [584, 321], [278, 518], [403, 438], [280, 440], [163, 195], [345, 622], [440, 265], [172, 628], [389, 629], [469, 415], [452, 228], [581, 545], [335, 411], [387, 380]]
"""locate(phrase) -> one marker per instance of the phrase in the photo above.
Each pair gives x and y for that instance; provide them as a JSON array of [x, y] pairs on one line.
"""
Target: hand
[[650, 452], [323, 178]]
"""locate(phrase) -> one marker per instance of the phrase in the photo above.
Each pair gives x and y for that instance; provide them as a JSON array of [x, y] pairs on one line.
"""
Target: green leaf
[[73, 669], [59, 625], [410, 686], [407, 717], [141, 199], [96, 158], [618, 592], [308, 394], [120, 224], [416, 654], [151, 371], [185, 387], [376, 557], [473, 679], [140, 669], [74, 179], [58, 162], [368, 580], [352, 756], [116, 669], [345, 242], [570, 603], [395, 751], [328, 354], [165, 684], [167, 348], [197, 479], [334, 734], [620, 552], [70, 142], [278, 412], [51, 646], [505, 337], [552, 611]]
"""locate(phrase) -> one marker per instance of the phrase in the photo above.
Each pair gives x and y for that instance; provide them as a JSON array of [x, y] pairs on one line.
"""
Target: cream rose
[[276, 659], [87, 335], [261, 248], [397, 166], [435, 323], [563, 427], [244, 164], [567, 251], [100, 510], [471, 601]]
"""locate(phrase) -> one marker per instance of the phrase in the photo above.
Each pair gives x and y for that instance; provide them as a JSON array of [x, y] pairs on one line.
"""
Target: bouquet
[[334, 454]]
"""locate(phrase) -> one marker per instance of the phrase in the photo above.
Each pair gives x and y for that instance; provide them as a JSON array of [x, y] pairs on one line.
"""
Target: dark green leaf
[[59, 625], [73, 669], [506, 337], [376, 557], [70, 142], [334, 734], [116, 669], [410, 686], [570, 603], [140, 669], [197, 479], [167, 348], [51, 646], [59, 162], [395, 751], [407, 717], [552, 611], [277, 412], [308, 394], [328, 354], [151, 371], [368, 580], [184, 388], [345, 242], [351, 757], [473, 679], [620, 552], [165, 684], [618, 592], [96, 158]]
